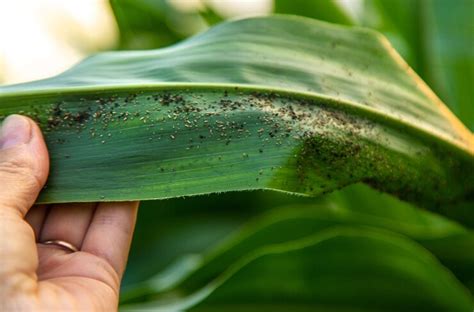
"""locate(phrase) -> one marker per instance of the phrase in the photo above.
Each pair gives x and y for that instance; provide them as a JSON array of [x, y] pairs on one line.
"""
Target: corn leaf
[[283, 103], [184, 263], [312, 274]]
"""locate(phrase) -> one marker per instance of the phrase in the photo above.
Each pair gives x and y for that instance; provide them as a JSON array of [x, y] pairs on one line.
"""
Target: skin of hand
[[38, 277]]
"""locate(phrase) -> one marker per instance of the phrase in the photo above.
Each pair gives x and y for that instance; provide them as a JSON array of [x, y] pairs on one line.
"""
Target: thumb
[[24, 167], [24, 164]]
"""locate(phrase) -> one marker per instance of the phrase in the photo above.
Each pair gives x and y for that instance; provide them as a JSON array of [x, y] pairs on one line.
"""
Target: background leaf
[[198, 265], [325, 10], [386, 273]]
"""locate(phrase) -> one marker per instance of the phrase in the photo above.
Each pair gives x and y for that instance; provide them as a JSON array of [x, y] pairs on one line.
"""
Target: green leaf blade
[[290, 101], [387, 272]]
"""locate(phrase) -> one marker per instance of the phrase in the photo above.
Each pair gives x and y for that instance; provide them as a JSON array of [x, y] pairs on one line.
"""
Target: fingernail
[[15, 130]]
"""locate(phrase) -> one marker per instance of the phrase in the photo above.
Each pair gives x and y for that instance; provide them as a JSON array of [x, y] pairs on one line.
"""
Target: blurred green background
[[182, 246]]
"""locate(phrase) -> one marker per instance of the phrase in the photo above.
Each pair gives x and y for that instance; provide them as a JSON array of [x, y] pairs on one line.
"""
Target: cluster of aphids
[[196, 116]]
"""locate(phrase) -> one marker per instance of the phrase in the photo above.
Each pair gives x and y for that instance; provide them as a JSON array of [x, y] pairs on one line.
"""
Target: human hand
[[39, 277]]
